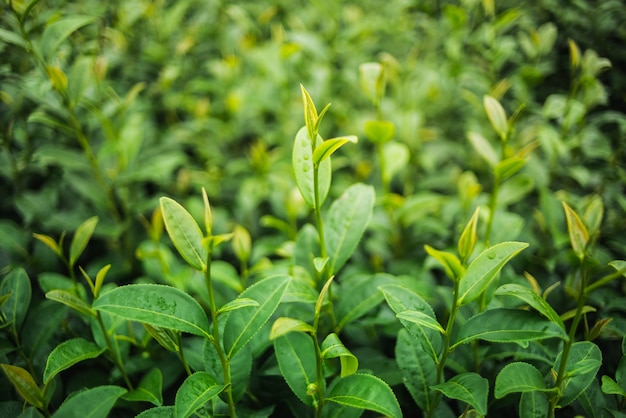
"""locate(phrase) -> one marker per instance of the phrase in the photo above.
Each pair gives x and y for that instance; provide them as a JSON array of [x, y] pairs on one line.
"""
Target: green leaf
[[24, 384], [584, 361], [332, 347], [610, 387], [16, 285], [71, 300], [81, 238], [345, 223], [302, 160], [58, 31], [10, 37], [372, 80], [400, 299], [41, 323], [533, 404], [165, 337], [518, 377], [158, 412], [49, 242], [531, 298], [505, 325], [358, 299], [483, 148], [284, 325], [149, 389], [450, 262], [329, 146], [467, 240], [421, 319], [196, 390], [238, 303], [484, 268], [240, 368], [578, 235], [470, 388], [242, 243], [297, 361], [184, 233], [243, 324], [379, 131], [156, 305], [508, 167], [93, 403], [68, 353], [419, 371], [396, 156], [365, 391], [496, 116]]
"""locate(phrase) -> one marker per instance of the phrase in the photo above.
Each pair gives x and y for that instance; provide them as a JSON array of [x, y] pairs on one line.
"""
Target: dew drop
[[306, 157], [491, 255], [305, 168]]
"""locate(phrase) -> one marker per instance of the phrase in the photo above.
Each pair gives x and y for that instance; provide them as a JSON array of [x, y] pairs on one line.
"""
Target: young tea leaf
[[96, 402], [610, 387], [531, 298], [196, 390], [421, 319], [324, 150], [518, 377], [506, 325], [345, 223], [332, 347], [68, 353], [71, 300], [184, 233], [578, 235], [24, 384], [380, 131], [506, 168], [483, 148], [237, 304], [58, 31], [81, 238], [16, 286], [484, 268], [365, 391], [450, 262], [302, 160], [284, 325], [50, 243], [297, 361], [496, 116], [583, 363], [243, 324], [471, 388], [156, 305], [165, 337], [467, 240]]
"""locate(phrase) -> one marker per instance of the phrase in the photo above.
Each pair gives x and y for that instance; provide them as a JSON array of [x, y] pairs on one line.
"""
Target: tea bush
[[189, 230]]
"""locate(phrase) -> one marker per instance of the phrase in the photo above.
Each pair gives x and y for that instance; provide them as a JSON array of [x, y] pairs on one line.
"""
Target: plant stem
[[582, 298], [216, 334], [118, 362], [181, 354], [319, 367]]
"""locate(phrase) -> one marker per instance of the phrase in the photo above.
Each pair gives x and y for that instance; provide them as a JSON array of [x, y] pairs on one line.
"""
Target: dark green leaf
[[358, 299], [68, 353], [156, 305], [365, 391], [297, 361], [58, 31], [518, 377], [508, 325], [419, 371], [533, 404], [610, 387], [531, 298], [184, 233], [243, 324], [158, 412], [584, 361], [71, 300], [16, 285], [149, 389], [196, 390], [93, 403], [470, 388], [345, 223]]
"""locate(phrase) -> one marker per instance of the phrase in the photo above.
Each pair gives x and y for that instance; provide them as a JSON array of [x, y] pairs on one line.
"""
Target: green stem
[[582, 298], [118, 362], [382, 167], [181, 354], [216, 334], [319, 367]]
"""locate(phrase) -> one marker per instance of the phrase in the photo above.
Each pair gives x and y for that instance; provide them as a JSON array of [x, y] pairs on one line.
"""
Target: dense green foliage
[[187, 229]]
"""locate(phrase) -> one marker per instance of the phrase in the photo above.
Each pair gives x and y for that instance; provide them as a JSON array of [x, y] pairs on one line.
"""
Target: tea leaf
[[165, 337], [584, 361], [242, 243], [58, 31], [243, 324], [470, 388], [531, 298], [324, 150], [483, 148], [81, 238], [50, 243], [345, 223], [507, 168], [380, 131], [372, 80], [196, 390], [100, 280], [297, 362], [467, 240], [533, 404], [158, 412], [418, 369], [302, 160], [496, 116], [359, 300], [16, 286], [149, 389], [238, 304], [421, 319], [578, 235], [396, 156], [332, 347], [284, 325], [184, 233], [93, 403], [365, 391], [484, 268], [610, 387], [68, 353], [24, 384], [450, 262], [71, 300], [156, 305], [508, 325], [518, 377]]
